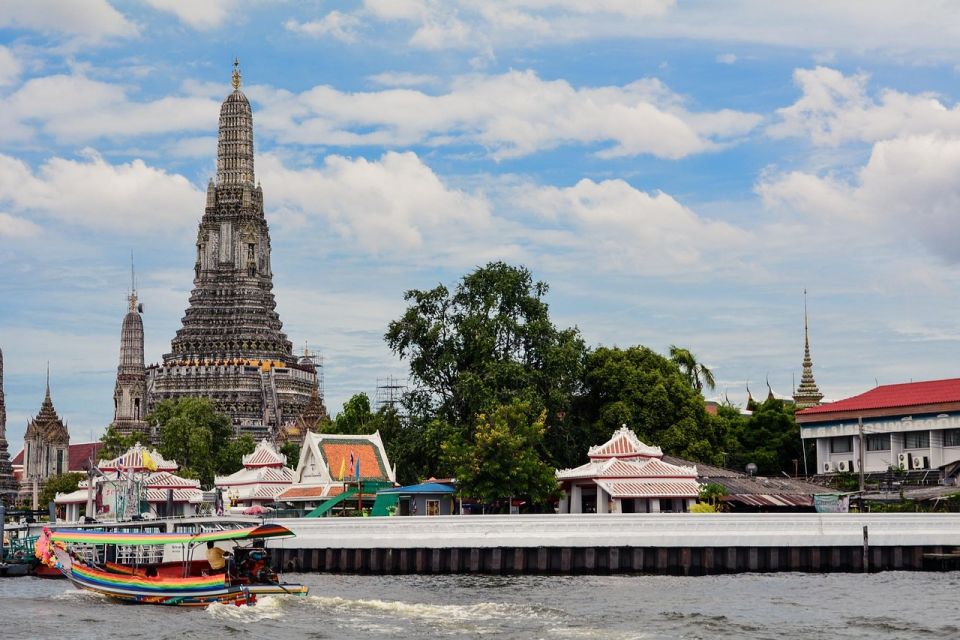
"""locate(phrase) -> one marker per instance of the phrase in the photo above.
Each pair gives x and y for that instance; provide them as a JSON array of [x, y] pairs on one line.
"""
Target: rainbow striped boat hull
[[197, 591]]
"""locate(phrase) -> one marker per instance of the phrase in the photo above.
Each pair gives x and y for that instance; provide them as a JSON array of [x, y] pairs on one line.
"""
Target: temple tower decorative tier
[[807, 393], [231, 347], [130, 392], [8, 484]]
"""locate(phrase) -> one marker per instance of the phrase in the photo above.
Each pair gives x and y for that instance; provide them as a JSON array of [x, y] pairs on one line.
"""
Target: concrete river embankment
[[684, 544]]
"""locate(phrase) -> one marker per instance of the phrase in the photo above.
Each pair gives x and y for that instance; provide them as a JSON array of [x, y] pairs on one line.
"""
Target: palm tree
[[697, 373]]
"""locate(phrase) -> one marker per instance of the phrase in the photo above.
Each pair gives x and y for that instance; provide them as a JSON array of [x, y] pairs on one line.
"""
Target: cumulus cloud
[[336, 24], [512, 114], [90, 192], [835, 108], [207, 14], [623, 228], [91, 19], [74, 108], [396, 204], [402, 79], [9, 67], [14, 227], [907, 189]]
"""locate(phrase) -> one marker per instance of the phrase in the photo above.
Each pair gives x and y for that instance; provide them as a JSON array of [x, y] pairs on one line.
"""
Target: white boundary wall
[[622, 530]]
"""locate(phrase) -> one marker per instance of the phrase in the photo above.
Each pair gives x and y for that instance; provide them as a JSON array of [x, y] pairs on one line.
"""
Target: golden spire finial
[[236, 73]]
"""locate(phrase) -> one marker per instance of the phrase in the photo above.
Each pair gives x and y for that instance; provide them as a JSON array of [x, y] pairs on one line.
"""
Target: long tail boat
[[186, 583]]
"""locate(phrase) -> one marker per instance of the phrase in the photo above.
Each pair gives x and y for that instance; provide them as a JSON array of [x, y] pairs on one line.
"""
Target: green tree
[[194, 434], [115, 443], [487, 343], [696, 372], [769, 438], [647, 392], [355, 417], [292, 451], [503, 457], [64, 483]]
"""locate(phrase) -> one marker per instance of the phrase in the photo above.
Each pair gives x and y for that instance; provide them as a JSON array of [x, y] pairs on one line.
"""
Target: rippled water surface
[[747, 606]]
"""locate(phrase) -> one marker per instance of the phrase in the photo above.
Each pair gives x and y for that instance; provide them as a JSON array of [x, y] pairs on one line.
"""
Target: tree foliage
[[503, 457], [63, 483], [115, 443], [769, 438], [199, 438], [697, 373], [292, 451]]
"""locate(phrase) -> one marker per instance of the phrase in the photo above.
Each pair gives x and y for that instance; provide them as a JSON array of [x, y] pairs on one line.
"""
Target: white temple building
[[158, 492], [263, 477], [624, 475]]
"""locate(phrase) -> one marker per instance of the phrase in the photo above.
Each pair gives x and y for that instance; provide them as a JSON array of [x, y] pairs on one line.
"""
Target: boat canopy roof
[[85, 536]]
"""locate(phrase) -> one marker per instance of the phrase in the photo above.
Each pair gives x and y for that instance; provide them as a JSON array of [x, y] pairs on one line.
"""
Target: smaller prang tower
[[130, 392], [808, 393], [8, 483]]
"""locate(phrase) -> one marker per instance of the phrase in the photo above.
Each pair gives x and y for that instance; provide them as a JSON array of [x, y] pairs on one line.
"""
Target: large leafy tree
[[649, 393], [485, 344], [199, 438], [503, 457], [769, 438], [356, 416]]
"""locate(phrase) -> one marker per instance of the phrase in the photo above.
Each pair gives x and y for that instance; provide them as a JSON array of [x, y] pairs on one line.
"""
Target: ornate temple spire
[[808, 393], [235, 139]]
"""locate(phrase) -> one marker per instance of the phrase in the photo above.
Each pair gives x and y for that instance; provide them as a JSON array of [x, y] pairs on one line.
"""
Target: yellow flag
[[343, 467], [148, 461]]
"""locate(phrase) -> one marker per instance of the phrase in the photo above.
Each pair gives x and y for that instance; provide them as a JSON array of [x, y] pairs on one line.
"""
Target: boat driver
[[216, 557]]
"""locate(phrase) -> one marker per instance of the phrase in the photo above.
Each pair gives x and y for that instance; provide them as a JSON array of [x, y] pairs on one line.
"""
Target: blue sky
[[677, 172]]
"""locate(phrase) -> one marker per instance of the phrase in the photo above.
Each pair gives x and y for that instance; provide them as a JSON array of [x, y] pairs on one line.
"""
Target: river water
[[746, 606]]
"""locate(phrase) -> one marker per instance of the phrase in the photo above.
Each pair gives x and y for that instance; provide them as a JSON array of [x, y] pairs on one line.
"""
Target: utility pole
[[860, 427]]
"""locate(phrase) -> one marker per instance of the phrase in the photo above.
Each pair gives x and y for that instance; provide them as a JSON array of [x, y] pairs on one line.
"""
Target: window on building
[[59, 461], [843, 444], [878, 442], [951, 437], [433, 507], [916, 440]]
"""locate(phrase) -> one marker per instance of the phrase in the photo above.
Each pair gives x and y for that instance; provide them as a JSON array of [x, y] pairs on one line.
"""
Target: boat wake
[[266, 608]]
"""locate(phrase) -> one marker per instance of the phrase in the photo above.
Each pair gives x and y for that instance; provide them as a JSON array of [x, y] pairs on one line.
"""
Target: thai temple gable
[[322, 457], [263, 477], [230, 347], [46, 447], [133, 459], [624, 443], [265, 455], [807, 393], [8, 482]]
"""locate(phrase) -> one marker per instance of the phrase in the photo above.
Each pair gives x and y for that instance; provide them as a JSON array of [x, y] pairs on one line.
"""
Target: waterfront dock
[[676, 544]]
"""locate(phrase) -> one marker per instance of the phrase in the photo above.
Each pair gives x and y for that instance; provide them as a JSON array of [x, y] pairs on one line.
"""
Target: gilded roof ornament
[[236, 74]]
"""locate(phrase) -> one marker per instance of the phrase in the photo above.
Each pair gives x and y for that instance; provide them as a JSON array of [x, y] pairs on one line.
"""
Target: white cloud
[[402, 79], [9, 67], [623, 228], [907, 189], [513, 114], [393, 205], [835, 109], [14, 227], [92, 19], [75, 108], [123, 198], [727, 58], [336, 24], [205, 14]]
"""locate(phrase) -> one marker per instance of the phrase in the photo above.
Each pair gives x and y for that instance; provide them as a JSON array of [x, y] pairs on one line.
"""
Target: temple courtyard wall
[[676, 544]]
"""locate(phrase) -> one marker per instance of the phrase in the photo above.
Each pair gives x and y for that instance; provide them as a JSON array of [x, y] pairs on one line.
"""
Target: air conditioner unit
[[919, 462], [829, 467], [903, 460], [845, 466]]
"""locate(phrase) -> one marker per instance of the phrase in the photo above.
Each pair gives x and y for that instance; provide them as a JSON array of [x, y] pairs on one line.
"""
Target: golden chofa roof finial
[[236, 73]]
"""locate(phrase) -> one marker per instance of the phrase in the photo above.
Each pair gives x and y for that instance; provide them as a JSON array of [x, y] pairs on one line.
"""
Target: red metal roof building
[[624, 475], [912, 425]]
